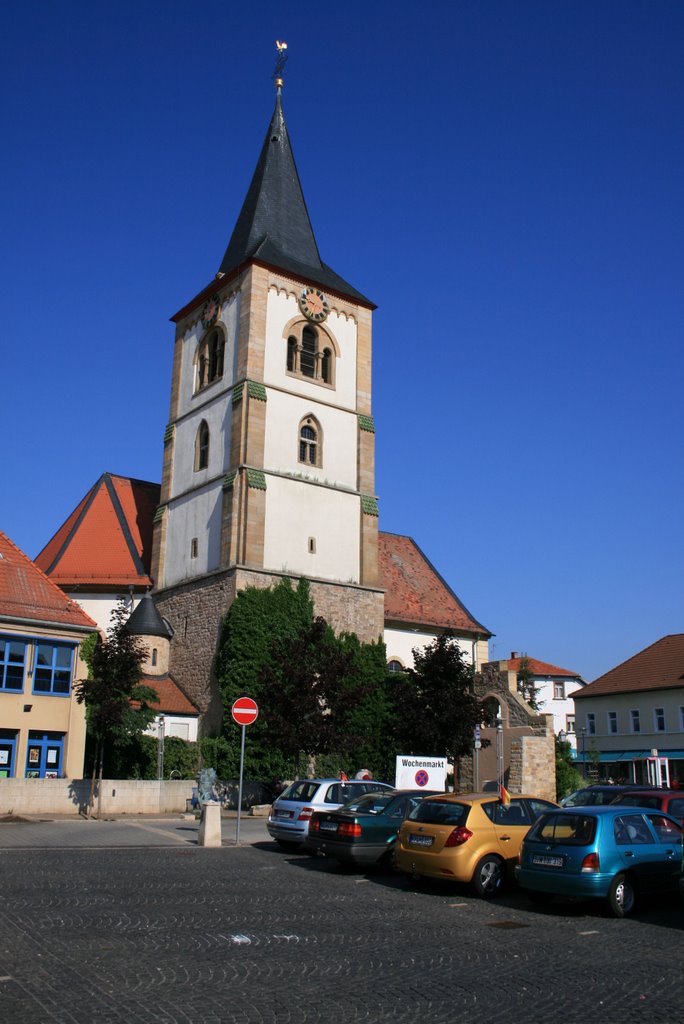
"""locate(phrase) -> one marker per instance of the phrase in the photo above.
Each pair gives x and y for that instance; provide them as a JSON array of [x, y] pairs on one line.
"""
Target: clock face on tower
[[314, 304], [211, 310]]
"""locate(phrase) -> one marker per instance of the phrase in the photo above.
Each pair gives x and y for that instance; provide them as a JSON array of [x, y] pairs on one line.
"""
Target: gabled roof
[[658, 667], [415, 593], [540, 668], [28, 595], [107, 539], [172, 700], [273, 226]]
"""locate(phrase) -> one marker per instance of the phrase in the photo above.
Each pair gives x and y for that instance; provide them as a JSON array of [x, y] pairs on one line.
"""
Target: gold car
[[467, 837]]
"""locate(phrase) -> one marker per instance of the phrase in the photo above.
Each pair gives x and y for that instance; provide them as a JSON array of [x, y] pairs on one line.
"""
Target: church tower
[[268, 465]]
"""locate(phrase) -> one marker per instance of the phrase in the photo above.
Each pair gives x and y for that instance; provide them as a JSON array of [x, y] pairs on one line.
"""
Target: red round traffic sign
[[245, 711]]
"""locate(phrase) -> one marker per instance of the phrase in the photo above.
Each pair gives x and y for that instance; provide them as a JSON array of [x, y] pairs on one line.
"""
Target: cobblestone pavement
[[251, 934]]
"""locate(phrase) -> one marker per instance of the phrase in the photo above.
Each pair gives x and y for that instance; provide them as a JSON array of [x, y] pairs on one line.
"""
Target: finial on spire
[[281, 61]]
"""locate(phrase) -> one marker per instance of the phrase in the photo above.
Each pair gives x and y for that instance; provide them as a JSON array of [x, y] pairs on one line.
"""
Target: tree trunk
[[99, 787], [91, 799]]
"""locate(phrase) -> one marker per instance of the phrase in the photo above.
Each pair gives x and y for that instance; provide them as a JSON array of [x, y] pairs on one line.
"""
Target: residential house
[[553, 686], [632, 717], [42, 726]]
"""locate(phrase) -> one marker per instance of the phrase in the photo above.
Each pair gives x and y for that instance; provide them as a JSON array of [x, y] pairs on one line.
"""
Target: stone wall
[[71, 796], [195, 611]]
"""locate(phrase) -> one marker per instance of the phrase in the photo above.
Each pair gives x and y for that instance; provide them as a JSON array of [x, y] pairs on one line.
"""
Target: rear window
[[564, 829], [440, 812], [304, 790], [676, 807], [369, 803]]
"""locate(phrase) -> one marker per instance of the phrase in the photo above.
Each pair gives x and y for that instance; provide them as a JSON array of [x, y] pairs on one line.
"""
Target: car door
[[642, 851], [511, 824], [669, 837]]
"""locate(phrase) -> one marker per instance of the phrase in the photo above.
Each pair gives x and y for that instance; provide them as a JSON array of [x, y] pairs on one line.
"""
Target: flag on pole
[[505, 796]]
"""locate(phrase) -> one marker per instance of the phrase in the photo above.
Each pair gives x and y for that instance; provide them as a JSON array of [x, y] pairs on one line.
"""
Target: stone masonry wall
[[195, 611]]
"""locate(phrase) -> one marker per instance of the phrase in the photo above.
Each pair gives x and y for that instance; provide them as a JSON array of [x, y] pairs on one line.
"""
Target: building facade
[[42, 726]]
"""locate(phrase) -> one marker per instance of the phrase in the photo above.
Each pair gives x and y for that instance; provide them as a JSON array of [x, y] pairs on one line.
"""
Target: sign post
[[477, 743], [244, 712]]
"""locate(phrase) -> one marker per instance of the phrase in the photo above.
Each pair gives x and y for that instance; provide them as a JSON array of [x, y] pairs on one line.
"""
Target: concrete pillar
[[210, 825]]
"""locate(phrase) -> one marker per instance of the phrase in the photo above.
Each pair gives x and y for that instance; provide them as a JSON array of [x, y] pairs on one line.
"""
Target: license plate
[[547, 862], [283, 814], [421, 840], [328, 826]]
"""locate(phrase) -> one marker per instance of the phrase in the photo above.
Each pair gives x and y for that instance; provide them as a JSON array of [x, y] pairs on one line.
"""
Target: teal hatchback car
[[613, 853]]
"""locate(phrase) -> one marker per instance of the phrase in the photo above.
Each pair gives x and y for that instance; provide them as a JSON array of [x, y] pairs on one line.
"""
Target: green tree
[[117, 705], [436, 709], [568, 778], [526, 685]]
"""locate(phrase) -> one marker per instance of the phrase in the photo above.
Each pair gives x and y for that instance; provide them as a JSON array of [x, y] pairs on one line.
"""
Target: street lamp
[[561, 735], [583, 736]]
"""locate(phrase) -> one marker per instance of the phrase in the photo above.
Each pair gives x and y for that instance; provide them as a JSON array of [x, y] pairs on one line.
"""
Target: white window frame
[[612, 719], [591, 723], [659, 717], [559, 691], [570, 725], [635, 721]]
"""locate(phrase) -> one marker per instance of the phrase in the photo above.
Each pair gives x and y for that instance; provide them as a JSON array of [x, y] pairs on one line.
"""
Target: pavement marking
[[241, 940], [6, 977], [590, 933], [458, 904], [164, 832]]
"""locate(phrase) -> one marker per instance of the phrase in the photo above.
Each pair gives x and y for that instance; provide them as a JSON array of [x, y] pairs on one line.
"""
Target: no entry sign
[[245, 711]]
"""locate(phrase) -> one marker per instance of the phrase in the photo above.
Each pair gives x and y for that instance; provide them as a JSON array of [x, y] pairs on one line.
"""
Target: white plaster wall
[[101, 606], [280, 309], [560, 709], [69, 796], [183, 726], [296, 511], [218, 418], [401, 642], [196, 515], [338, 436], [229, 317]]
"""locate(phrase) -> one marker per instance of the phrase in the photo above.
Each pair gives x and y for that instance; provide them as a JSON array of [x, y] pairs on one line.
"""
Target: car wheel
[[539, 899], [388, 861], [621, 896], [488, 876]]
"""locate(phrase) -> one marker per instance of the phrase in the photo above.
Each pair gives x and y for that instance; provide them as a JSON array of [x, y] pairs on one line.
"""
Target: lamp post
[[583, 736]]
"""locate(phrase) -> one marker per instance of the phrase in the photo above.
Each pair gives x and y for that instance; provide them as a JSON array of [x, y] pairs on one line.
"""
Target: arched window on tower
[[310, 442], [209, 363], [202, 447], [311, 354]]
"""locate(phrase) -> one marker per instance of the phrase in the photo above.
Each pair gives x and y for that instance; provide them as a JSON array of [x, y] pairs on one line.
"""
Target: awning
[[613, 756]]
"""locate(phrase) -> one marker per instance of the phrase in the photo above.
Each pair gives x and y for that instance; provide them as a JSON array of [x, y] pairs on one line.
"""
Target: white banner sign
[[420, 772]]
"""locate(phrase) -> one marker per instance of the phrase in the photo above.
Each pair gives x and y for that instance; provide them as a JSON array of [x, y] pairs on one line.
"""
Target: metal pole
[[477, 770], [584, 755], [239, 806]]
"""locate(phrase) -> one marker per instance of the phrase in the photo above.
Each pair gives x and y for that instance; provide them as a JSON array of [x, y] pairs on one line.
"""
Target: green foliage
[[88, 650], [568, 779], [435, 707], [526, 685], [117, 705]]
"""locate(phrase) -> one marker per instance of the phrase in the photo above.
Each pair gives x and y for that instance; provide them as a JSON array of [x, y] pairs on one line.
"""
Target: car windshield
[[440, 812], [587, 797], [369, 803], [304, 790], [565, 829]]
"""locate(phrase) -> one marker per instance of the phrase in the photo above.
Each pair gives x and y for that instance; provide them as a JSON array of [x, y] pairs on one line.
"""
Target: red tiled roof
[[172, 700], [107, 539], [27, 593], [540, 668], [415, 593], [658, 667]]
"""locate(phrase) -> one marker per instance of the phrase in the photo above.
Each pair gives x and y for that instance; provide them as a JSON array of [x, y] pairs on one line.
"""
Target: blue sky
[[503, 179]]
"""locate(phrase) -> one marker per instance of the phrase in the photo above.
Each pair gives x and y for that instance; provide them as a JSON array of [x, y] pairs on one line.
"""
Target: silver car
[[288, 821]]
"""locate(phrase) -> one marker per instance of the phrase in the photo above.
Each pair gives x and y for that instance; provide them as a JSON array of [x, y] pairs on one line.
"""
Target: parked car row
[[611, 852]]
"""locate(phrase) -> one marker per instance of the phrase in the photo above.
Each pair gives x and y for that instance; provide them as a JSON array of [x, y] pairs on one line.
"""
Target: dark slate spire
[[145, 620], [274, 226]]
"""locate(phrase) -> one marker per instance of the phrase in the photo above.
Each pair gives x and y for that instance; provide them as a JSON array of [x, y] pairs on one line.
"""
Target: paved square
[[176, 933]]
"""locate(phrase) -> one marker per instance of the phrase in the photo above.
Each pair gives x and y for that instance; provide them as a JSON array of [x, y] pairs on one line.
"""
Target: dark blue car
[[613, 853]]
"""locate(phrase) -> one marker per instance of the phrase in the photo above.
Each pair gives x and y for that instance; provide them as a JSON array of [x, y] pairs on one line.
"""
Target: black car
[[591, 796]]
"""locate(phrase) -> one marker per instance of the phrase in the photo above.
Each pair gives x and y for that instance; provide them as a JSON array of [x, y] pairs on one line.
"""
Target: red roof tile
[[540, 668], [27, 593], [107, 539], [172, 700], [658, 667], [415, 593]]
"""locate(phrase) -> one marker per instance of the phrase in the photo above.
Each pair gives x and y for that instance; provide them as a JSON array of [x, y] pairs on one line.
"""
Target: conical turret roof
[[145, 620], [273, 225]]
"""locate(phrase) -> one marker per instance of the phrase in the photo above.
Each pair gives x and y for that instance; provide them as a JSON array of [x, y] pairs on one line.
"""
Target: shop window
[[12, 664], [8, 750], [52, 671]]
